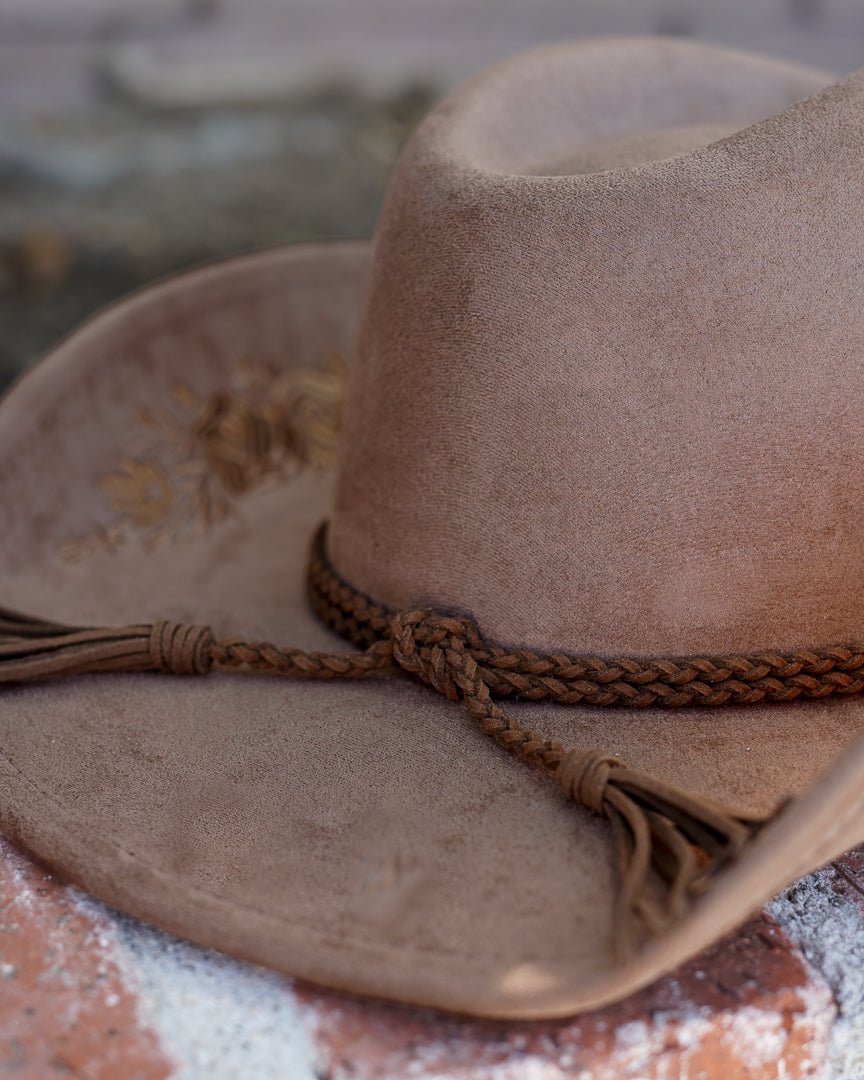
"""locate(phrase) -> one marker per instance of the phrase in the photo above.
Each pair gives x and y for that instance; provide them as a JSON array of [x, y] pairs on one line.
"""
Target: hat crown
[[618, 409]]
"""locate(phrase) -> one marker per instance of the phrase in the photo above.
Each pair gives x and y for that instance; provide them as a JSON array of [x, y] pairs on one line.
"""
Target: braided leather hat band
[[668, 843], [593, 680]]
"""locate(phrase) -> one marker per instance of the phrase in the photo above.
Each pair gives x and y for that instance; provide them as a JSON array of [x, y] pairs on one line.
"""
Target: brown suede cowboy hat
[[594, 503]]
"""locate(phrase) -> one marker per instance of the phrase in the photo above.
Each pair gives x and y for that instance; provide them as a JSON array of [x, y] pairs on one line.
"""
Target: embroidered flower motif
[[316, 415], [139, 491], [188, 466]]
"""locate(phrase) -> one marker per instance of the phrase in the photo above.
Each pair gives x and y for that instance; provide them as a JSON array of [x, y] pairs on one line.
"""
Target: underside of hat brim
[[362, 836]]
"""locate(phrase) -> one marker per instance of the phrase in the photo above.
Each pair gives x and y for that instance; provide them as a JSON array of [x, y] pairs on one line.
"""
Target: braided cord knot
[[583, 776], [181, 648], [432, 647], [662, 835]]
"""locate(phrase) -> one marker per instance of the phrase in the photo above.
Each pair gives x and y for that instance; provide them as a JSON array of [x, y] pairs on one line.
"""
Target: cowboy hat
[[588, 468]]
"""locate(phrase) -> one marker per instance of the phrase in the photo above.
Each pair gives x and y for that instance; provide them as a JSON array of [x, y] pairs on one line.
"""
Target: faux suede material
[[614, 411], [367, 836]]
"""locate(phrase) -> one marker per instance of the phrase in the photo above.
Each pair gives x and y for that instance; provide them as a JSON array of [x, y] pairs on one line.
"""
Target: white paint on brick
[[217, 1018], [24, 900], [829, 930], [659, 1048], [760, 1038], [666, 1046], [820, 1010], [757, 1036]]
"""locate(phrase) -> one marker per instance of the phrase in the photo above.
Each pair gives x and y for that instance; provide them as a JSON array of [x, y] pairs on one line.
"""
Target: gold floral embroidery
[[140, 491], [188, 466]]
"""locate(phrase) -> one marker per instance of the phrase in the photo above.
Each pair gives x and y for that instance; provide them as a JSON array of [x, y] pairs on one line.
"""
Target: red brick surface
[[735, 1012], [64, 1007], [751, 1007]]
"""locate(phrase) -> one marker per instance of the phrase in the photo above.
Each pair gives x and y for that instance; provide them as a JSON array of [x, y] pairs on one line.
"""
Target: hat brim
[[363, 836]]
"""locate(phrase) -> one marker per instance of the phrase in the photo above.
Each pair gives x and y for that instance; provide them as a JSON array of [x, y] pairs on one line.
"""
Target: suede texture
[[367, 836], [612, 410]]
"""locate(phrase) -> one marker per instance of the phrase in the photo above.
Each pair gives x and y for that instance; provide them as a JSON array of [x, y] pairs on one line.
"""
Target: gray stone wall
[[138, 136]]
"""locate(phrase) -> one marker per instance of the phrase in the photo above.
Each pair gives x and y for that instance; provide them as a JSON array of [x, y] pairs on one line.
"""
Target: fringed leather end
[[669, 843], [33, 649]]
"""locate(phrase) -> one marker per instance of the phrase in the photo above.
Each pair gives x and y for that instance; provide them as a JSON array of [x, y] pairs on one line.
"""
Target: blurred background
[[140, 136]]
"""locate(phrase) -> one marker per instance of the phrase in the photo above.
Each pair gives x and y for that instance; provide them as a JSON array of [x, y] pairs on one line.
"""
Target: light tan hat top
[[603, 406], [606, 396]]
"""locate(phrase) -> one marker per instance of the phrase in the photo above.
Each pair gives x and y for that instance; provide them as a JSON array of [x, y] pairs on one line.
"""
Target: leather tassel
[[32, 649], [669, 843]]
